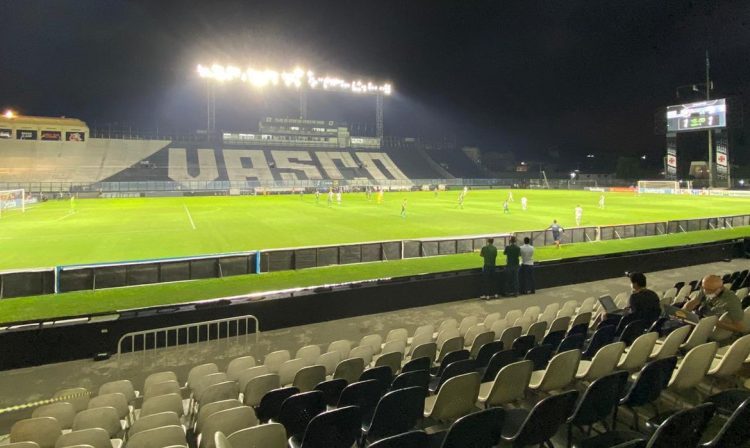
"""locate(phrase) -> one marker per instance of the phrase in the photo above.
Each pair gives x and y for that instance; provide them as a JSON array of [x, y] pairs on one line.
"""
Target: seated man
[[643, 304], [715, 300]]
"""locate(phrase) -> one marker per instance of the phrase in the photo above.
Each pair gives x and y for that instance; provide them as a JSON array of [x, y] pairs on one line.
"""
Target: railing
[[180, 335]]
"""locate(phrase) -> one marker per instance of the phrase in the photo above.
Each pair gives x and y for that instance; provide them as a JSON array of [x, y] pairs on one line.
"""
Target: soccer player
[[524, 201], [601, 201], [403, 208], [466, 190], [579, 214], [338, 197], [380, 196], [330, 197], [505, 207], [72, 202], [317, 196], [556, 231], [510, 196], [461, 201]]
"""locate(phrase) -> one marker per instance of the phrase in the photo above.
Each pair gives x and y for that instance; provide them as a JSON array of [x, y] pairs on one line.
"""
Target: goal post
[[659, 186], [12, 200]]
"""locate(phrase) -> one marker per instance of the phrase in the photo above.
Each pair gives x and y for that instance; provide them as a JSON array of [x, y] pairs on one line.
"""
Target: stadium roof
[[40, 121]]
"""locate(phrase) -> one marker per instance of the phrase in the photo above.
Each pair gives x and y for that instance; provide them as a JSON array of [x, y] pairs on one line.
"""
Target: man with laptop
[[642, 305], [715, 300]]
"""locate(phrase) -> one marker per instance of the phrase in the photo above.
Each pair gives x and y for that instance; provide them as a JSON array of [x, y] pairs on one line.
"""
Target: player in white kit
[[579, 214], [524, 201]]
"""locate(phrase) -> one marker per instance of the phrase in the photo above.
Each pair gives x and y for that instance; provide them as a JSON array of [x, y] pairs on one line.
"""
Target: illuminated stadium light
[[9, 114], [296, 78]]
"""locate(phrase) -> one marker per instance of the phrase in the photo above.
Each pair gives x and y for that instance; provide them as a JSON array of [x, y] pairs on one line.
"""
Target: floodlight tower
[[302, 80]]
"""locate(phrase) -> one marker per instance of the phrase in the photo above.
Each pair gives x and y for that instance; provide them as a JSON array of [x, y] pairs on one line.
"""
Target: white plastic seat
[[428, 329], [374, 341], [421, 339], [394, 346], [153, 421], [198, 372], [44, 431], [309, 353], [587, 306], [226, 390], [349, 369], [466, 323], [456, 398], [694, 367], [603, 363], [257, 387], [105, 418], [741, 293], [392, 360], [248, 374], [559, 373], [448, 323], [161, 388], [637, 354], [509, 335], [622, 299], [721, 334], [731, 361], [211, 408], [227, 421], [444, 335], [532, 313], [498, 327], [163, 403], [397, 334], [566, 312], [700, 333], [165, 436], [124, 387], [308, 377], [490, 319], [671, 344], [343, 347], [62, 411], [238, 365], [479, 341], [27, 444], [472, 333], [203, 383], [508, 386], [289, 369], [524, 323], [450, 345], [683, 293], [329, 360], [428, 350], [581, 318], [115, 400], [159, 377], [270, 435], [550, 313], [274, 360], [538, 329], [513, 315], [93, 437], [559, 324], [364, 352]]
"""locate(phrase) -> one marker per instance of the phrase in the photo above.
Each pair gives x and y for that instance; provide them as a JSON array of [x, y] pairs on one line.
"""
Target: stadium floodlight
[[9, 114], [296, 78]]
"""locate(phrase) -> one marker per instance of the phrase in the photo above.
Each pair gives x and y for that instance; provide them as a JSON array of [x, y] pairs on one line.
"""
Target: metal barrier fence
[[109, 275], [179, 335]]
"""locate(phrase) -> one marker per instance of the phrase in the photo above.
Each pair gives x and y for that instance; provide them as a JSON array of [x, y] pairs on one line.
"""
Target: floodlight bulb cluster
[[296, 78], [9, 114]]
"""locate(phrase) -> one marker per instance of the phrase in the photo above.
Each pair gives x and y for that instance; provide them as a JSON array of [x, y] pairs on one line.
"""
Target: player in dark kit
[[556, 231]]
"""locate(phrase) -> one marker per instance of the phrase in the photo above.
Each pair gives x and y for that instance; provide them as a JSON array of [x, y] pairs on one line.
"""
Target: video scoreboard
[[696, 116]]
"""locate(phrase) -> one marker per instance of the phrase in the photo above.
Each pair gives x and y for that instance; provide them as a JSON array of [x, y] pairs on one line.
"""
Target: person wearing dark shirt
[[644, 303], [489, 254], [512, 256]]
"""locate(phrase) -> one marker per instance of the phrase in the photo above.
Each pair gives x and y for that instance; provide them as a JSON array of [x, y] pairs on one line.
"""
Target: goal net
[[12, 200], [659, 186]]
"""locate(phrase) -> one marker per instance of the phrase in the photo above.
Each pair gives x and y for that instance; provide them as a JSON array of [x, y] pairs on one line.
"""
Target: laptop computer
[[609, 305], [679, 313]]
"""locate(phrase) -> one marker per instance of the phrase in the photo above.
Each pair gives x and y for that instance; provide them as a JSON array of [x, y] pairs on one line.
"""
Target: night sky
[[524, 76]]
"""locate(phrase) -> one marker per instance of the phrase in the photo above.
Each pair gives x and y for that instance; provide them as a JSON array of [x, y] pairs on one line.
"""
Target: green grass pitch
[[101, 230]]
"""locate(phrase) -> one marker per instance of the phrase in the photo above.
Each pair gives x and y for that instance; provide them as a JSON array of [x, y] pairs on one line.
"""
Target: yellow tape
[[34, 404]]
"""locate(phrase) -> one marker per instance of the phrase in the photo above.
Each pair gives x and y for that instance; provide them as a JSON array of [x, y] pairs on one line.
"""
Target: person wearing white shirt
[[524, 201], [579, 215], [527, 267]]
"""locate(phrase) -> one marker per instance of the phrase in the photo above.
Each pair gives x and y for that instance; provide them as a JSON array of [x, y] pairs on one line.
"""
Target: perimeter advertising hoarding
[[696, 116]]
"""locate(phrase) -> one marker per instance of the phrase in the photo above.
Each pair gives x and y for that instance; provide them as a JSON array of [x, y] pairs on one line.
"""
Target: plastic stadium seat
[[124, 387], [330, 360], [416, 378], [198, 372], [342, 346], [549, 314], [375, 341], [458, 355], [648, 386], [731, 361], [700, 333], [559, 373], [349, 369], [44, 431], [238, 365], [165, 436], [210, 409], [115, 400], [670, 346], [513, 315], [259, 386], [604, 362], [411, 439], [225, 390], [163, 403], [637, 354], [559, 324], [308, 377], [392, 360], [466, 323], [480, 429], [77, 396], [450, 345], [153, 421], [521, 345], [693, 367], [524, 428], [309, 353], [397, 334], [497, 362], [428, 350], [491, 319], [105, 418], [455, 399], [538, 330], [226, 421], [398, 346], [486, 352], [598, 401], [735, 432], [364, 352], [288, 370], [331, 390], [423, 363], [509, 385], [540, 356], [62, 411], [396, 412], [23, 445], [94, 437], [451, 370], [270, 404], [509, 335], [244, 376], [602, 336], [274, 360], [159, 377], [269, 435], [338, 428], [161, 388], [297, 411], [498, 327], [382, 374], [363, 394]]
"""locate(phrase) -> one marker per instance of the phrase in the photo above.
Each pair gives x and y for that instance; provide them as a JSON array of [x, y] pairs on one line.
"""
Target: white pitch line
[[189, 217], [71, 213]]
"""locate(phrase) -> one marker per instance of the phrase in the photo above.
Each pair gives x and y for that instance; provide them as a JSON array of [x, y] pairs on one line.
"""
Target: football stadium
[[307, 280]]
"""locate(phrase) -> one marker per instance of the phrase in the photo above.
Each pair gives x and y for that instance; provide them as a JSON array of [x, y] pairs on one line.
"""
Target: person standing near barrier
[[489, 254], [556, 231], [512, 256], [527, 267]]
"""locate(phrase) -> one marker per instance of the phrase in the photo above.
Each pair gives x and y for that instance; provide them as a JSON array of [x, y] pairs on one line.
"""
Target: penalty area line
[[189, 217]]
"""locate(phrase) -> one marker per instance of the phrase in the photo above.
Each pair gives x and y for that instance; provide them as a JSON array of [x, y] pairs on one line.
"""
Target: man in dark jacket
[[512, 256]]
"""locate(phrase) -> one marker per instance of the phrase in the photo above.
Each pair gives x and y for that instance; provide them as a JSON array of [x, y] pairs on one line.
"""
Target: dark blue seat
[[486, 352], [297, 411], [383, 374], [396, 412], [458, 355], [422, 363], [338, 428], [572, 342], [332, 390], [646, 389], [537, 426], [554, 338], [522, 345], [270, 404], [363, 394], [598, 402], [602, 336], [481, 429], [540, 356], [736, 431], [497, 362], [419, 378], [452, 370]]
